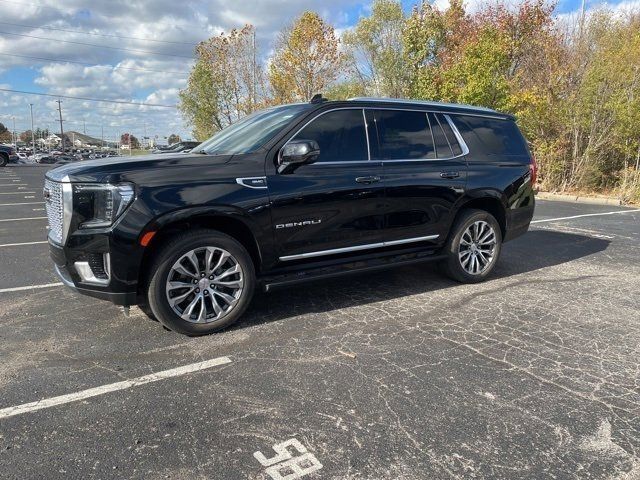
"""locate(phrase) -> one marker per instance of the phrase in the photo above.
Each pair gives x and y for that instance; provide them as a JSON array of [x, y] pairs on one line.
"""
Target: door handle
[[449, 174], [367, 179]]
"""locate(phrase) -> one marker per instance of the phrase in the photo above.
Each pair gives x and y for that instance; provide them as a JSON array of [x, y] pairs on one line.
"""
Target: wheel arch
[[229, 223], [489, 201]]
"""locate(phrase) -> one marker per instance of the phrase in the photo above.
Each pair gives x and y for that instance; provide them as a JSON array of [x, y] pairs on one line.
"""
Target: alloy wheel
[[204, 284], [477, 247]]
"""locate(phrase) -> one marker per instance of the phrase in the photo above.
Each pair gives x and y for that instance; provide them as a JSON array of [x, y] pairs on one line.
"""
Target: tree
[[5, 134], [129, 139], [173, 138], [375, 50], [226, 83], [25, 136], [306, 61]]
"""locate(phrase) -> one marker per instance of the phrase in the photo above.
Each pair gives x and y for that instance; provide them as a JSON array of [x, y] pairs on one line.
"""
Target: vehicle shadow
[[536, 250]]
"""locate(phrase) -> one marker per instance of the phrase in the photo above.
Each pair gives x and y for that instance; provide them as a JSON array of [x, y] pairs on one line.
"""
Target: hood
[[116, 169]]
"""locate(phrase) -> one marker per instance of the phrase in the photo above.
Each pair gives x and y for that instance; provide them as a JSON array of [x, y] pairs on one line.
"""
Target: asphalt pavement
[[401, 374]]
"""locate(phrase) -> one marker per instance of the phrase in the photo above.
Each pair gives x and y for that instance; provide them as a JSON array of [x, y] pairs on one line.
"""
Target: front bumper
[[14, 158], [66, 271]]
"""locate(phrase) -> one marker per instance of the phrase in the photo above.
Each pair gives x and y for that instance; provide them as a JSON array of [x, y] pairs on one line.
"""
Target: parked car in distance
[[292, 193], [64, 159], [178, 147], [47, 159], [8, 154]]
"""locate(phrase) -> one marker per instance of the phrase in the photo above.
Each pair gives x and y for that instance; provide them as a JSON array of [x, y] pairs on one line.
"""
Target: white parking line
[[585, 215], [12, 184], [14, 193], [20, 203], [112, 387], [20, 219], [31, 287], [21, 243]]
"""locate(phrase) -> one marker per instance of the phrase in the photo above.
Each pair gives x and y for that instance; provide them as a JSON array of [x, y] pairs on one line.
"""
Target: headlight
[[99, 205]]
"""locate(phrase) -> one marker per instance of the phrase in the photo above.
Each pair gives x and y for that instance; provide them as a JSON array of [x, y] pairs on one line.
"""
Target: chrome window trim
[[433, 138], [456, 132], [366, 133], [350, 162], [356, 248], [461, 142], [324, 113], [436, 115]]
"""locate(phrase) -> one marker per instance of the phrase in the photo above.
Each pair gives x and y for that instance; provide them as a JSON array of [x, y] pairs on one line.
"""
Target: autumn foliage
[[572, 81]]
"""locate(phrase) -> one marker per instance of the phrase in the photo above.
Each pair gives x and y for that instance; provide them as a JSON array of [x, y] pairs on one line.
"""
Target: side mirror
[[296, 153]]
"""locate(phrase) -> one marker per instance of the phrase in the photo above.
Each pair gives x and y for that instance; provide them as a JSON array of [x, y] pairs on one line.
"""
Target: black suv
[[8, 154], [292, 193]]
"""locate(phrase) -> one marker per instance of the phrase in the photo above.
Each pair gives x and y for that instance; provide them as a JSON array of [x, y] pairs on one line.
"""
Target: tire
[[3, 160], [146, 309], [231, 292], [459, 264]]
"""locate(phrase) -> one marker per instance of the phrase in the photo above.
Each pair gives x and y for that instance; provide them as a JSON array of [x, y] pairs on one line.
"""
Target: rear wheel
[[201, 281], [473, 247]]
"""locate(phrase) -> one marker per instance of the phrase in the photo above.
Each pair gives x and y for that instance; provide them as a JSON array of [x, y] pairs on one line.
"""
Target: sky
[[137, 51]]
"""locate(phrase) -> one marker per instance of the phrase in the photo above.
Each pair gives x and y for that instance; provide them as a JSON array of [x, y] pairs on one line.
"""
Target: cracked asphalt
[[401, 374]]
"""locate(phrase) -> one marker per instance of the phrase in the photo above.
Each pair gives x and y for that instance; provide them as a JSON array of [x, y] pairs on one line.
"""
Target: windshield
[[252, 131]]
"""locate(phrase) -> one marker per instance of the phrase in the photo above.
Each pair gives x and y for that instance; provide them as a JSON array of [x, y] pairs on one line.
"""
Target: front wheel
[[473, 247], [3, 160], [201, 281]]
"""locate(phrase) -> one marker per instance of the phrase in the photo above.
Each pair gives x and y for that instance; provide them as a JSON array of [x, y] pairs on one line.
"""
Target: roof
[[453, 107]]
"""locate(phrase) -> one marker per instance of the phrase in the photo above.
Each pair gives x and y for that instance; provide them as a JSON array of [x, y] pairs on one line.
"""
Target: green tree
[[5, 134], [306, 61], [375, 47], [173, 138], [129, 139], [25, 136], [226, 82]]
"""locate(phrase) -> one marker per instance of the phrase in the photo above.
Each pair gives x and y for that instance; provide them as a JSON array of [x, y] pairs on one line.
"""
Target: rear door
[[424, 171], [335, 205]]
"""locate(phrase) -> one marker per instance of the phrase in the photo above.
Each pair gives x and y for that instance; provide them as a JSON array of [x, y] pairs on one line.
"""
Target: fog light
[[96, 271]]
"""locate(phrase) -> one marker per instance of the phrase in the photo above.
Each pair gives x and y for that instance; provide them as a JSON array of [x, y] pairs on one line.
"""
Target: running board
[[271, 282]]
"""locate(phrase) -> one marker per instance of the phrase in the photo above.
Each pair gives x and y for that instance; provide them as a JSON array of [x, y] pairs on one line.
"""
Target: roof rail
[[422, 102]]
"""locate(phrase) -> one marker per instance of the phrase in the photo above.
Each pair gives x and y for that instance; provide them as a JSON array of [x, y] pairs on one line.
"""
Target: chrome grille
[[55, 209]]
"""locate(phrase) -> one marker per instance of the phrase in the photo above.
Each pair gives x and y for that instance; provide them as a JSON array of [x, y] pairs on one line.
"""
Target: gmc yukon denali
[[288, 194]]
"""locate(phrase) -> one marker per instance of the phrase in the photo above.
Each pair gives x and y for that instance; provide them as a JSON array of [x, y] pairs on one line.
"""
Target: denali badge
[[302, 223]]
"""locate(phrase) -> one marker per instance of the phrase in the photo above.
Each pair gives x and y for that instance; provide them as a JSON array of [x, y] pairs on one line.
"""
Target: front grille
[[55, 209]]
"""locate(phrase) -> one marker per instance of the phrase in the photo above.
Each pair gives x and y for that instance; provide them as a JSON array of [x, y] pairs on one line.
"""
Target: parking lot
[[401, 374]]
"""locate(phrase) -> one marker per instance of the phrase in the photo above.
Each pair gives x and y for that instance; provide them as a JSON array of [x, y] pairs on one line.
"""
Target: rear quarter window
[[489, 136]]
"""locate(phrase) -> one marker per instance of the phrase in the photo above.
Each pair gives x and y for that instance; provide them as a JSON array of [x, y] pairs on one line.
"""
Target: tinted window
[[490, 136], [403, 135], [252, 131], [453, 141], [340, 135], [443, 150]]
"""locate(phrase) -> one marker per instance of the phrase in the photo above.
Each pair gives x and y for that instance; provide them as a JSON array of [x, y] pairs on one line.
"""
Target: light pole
[[33, 138]]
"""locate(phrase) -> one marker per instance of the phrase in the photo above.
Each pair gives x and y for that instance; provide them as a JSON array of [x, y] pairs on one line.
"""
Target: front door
[[335, 205]]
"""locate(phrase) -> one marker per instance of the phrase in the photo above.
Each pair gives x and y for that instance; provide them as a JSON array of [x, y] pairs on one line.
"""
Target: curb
[[578, 199]]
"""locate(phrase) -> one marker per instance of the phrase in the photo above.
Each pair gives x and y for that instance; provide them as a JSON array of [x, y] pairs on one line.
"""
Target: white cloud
[[163, 27]]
